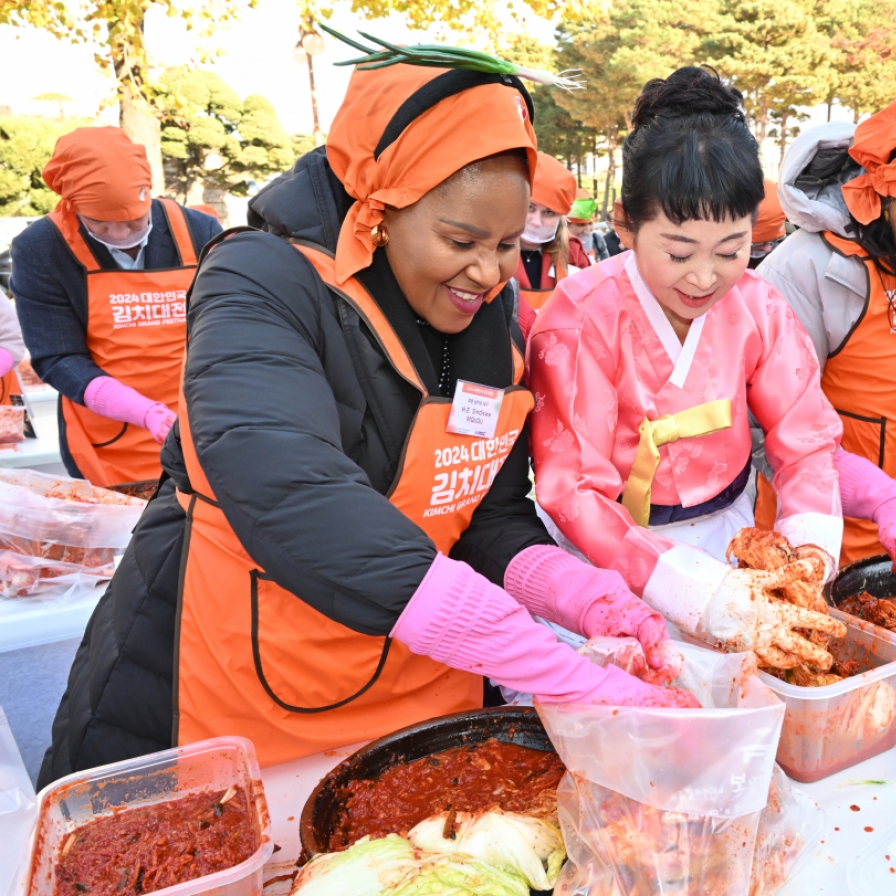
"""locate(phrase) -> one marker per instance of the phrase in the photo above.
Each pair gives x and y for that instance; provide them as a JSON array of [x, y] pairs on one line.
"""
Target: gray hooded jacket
[[826, 290]]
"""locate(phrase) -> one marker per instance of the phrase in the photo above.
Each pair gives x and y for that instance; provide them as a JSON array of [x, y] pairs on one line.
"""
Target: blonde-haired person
[[547, 253]]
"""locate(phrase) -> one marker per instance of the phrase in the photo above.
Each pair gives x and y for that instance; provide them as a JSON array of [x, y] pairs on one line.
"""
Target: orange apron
[[9, 386], [136, 331], [858, 381], [255, 660], [537, 298]]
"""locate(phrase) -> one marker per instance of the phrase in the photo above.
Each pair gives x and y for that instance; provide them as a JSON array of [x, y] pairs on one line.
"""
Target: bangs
[[697, 168]]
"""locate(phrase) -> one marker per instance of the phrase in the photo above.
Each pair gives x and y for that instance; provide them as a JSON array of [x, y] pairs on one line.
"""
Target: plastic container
[[831, 728], [873, 871], [212, 765]]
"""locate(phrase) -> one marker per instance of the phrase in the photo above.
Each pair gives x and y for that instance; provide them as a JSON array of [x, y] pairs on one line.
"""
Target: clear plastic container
[[873, 871], [830, 728], [211, 765]]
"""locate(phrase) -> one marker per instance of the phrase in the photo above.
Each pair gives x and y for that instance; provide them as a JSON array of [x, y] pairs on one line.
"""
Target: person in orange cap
[[100, 287], [838, 273], [768, 231], [349, 484], [547, 254]]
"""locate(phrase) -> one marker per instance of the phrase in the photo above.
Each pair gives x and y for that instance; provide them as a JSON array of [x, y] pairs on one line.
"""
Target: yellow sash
[[702, 420]]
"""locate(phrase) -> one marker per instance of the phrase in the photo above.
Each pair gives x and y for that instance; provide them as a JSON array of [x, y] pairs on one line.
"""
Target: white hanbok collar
[[681, 356]]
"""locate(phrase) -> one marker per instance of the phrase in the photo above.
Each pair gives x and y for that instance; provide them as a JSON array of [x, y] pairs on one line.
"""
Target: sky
[[257, 58]]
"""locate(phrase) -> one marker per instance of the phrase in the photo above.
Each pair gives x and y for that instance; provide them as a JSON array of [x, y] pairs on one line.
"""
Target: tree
[[862, 36], [772, 51], [26, 144], [212, 138], [116, 27], [619, 48]]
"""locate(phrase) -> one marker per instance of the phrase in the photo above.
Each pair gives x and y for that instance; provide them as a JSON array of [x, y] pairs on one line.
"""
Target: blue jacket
[[51, 299]]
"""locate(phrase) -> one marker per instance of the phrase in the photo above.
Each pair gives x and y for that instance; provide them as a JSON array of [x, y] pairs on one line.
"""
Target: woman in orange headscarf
[[838, 273], [768, 230], [100, 287], [349, 480], [547, 253]]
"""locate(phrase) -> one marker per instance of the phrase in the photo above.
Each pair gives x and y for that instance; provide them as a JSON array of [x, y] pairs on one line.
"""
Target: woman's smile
[[464, 301]]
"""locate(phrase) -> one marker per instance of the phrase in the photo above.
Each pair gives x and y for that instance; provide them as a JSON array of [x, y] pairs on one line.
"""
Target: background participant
[[100, 287], [12, 349], [838, 273], [580, 224], [324, 564], [644, 369], [768, 231], [547, 254]]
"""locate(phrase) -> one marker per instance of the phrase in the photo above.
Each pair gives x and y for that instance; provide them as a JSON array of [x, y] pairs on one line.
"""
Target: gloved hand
[[111, 398], [744, 615], [158, 420], [867, 493], [553, 584], [7, 362], [459, 618]]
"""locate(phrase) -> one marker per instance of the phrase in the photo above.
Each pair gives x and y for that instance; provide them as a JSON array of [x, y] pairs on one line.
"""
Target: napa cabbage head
[[532, 847], [391, 866]]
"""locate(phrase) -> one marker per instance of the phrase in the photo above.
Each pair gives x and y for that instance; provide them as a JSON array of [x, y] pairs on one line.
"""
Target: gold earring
[[379, 235]]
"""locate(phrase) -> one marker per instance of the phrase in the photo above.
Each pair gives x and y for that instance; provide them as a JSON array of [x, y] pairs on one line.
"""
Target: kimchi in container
[[830, 728], [216, 766]]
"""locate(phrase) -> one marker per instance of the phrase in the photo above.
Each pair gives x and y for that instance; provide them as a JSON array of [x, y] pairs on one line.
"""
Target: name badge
[[475, 410]]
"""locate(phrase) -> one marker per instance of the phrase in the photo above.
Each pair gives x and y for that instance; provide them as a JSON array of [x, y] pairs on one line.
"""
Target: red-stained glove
[[867, 493], [556, 586]]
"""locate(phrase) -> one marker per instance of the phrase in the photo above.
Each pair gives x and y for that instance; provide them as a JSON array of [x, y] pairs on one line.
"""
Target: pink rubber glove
[[553, 584], [111, 398], [867, 493], [459, 618], [7, 362]]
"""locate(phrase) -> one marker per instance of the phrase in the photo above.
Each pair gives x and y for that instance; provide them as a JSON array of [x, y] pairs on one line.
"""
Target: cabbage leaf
[[391, 866], [528, 846]]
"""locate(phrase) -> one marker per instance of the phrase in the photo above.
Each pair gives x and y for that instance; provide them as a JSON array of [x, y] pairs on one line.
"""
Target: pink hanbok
[[603, 357]]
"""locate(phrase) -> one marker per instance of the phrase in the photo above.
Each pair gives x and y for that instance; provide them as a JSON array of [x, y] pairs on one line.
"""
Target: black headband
[[438, 89]]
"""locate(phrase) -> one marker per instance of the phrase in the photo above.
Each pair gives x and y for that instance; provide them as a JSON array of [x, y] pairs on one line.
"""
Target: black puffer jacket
[[298, 421]]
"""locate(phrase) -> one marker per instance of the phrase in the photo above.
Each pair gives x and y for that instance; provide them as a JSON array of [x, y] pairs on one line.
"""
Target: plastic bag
[[667, 801], [18, 806], [59, 536]]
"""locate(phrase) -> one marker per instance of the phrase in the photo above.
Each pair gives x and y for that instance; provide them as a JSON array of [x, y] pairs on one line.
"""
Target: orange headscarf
[[101, 173], [769, 224], [555, 186], [458, 130], [874, 141]]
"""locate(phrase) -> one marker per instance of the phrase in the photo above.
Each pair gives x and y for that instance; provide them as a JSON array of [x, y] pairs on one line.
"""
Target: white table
[[288, 786], [27, 622], [41, 453]]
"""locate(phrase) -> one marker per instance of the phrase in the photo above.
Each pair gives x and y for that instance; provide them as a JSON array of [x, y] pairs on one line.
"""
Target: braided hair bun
[[690, 154], [688, 91]]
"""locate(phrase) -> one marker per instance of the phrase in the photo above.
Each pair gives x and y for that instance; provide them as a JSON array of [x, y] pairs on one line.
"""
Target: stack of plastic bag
[[59, 537], [671, 802]]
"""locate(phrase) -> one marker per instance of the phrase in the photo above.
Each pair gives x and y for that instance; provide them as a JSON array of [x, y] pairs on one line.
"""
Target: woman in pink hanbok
[[645, 369]]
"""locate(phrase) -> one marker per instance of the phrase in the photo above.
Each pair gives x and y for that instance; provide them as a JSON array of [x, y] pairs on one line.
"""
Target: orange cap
[[555, 186], [769, 224], [101, 173], [206, 209], [386, 154], [872, 146]]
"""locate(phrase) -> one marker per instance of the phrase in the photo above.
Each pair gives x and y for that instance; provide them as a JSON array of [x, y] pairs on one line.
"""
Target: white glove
[[744, 615]]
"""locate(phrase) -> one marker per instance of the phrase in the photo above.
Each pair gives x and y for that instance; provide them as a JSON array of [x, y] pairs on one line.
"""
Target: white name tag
[[475, 410]]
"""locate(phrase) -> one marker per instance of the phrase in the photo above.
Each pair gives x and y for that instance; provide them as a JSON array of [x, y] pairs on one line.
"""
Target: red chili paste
[[463, 779], [137, 851]]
